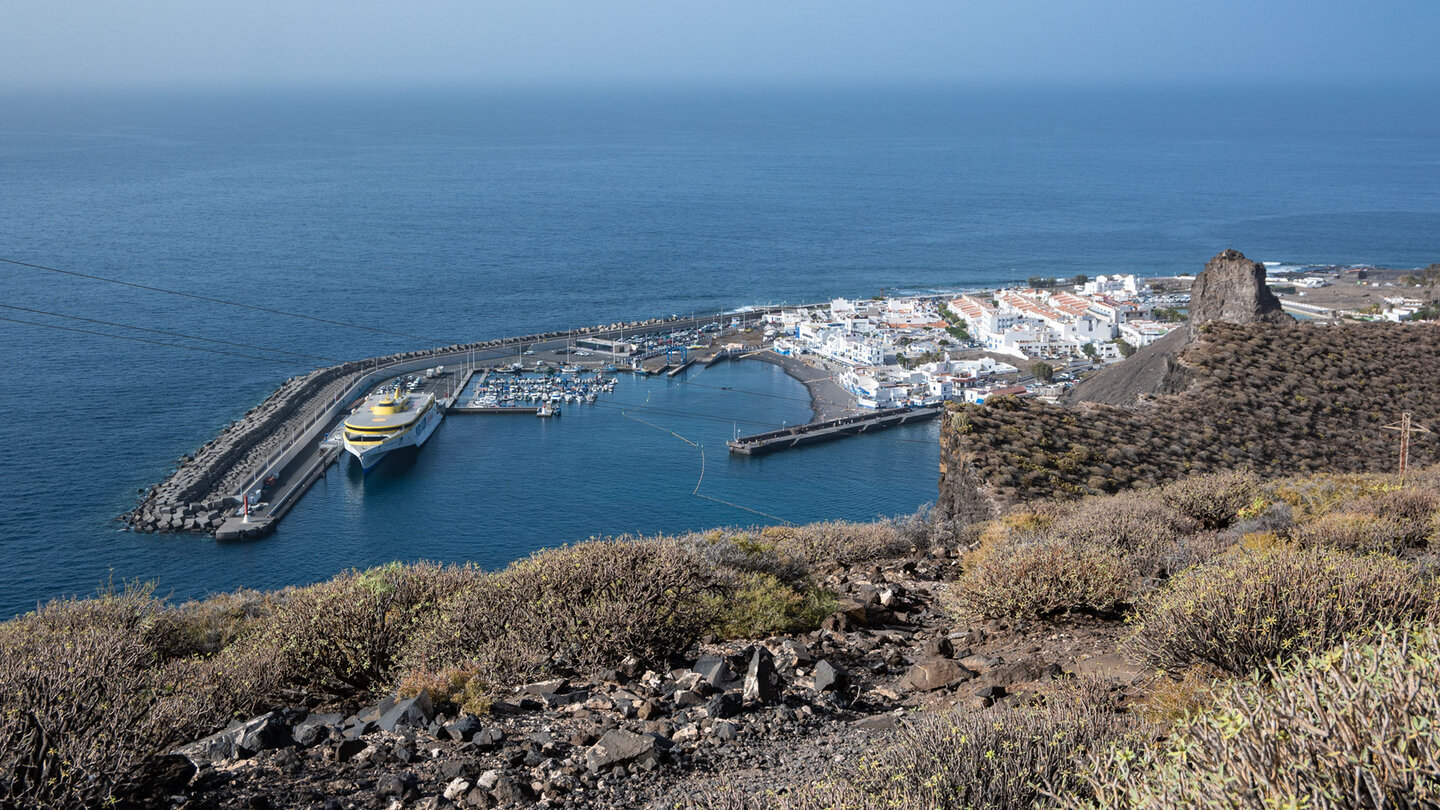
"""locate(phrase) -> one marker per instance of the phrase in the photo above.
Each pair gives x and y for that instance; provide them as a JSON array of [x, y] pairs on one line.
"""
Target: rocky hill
[[1243, 387], [1231, 289]]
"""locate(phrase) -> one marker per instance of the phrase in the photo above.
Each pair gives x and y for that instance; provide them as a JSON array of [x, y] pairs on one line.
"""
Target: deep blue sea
[[461, 215]]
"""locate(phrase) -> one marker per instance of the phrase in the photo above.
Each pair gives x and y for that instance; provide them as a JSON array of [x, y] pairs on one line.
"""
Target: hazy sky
[[45, 43]]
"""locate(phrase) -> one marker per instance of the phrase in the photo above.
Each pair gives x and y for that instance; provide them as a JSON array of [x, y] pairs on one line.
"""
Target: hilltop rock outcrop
[[1232, 289]]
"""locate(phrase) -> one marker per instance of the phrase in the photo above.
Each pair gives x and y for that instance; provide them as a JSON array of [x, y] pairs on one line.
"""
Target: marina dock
[[815, 432]]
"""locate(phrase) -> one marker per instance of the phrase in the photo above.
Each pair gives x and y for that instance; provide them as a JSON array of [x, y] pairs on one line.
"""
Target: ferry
[[390, 420]]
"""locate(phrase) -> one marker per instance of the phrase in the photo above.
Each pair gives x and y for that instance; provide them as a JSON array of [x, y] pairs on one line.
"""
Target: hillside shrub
[[1278, 399], [1140, 527], [1214, 501], [1042, 577], [1246, 610], [999, 758], [1353, 531], [205, 627], [762, 605], [573, 608], [343, 636], [841, 542], [747, 552], [1349, 728], [77, 701]]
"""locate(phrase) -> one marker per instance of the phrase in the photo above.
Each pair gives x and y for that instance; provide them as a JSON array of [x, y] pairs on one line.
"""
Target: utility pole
[[1405, 427]]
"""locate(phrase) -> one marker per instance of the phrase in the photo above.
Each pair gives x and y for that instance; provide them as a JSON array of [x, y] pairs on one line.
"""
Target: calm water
[[458, 216]]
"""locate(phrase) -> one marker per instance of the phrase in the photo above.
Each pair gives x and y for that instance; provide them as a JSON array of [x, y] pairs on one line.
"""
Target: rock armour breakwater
[[207, 484]]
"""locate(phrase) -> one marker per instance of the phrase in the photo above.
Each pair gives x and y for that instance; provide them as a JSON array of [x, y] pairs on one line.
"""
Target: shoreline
[[827, 399]]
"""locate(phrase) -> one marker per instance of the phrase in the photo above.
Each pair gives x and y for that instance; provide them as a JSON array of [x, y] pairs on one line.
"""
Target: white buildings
[[1111, 285], [872, 389], [1142, 333], [1029, 323]]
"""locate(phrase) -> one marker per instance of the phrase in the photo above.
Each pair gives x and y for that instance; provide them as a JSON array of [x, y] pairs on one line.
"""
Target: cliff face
[[1232, 289]]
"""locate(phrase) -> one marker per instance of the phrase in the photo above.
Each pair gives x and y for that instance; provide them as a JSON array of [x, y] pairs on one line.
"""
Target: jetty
[[830, 429]]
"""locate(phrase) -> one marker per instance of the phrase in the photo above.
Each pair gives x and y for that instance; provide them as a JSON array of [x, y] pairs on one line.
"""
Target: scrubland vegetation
[[1279, 399], [1290, 623], [1295, 667]]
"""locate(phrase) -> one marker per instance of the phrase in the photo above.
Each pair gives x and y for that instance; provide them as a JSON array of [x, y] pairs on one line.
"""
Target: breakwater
[[208, 484]]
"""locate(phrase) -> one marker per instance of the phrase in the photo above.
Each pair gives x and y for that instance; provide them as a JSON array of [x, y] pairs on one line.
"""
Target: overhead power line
[[170, 334], [301, 315], [156, 342]]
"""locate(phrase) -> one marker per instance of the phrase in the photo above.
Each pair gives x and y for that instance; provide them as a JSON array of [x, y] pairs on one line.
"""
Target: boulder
[[415, 712], [762, 681], [315, 728], [619, 747], [939, 647], [724, 706], [929, 674], [829, 677], [464, 729], [713, 670], [1023, 671], [240, 741], [1232, 288]]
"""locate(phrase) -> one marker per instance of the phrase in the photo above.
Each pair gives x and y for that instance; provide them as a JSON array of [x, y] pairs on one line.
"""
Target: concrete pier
[[814, 432]]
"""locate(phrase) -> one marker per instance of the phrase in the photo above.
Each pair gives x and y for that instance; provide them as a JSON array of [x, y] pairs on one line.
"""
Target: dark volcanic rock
[[416, 712], [930, 674], [239, 741], [1233, 289], [724, 706], [829, 677], [762, 681], [619, 747]]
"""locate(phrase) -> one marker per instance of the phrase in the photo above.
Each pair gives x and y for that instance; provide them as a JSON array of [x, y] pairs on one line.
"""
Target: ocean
[[456, 215]]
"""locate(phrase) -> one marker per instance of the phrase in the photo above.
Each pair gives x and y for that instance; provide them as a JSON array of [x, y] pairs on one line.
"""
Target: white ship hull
[[370, 454]]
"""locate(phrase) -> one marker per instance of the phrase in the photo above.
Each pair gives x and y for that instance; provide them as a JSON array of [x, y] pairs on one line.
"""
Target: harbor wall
[[207, 485]]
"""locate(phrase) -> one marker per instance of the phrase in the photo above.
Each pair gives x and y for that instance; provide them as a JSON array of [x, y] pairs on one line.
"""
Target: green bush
[[1246, 610], [571, 609], [762, 605], [1350, 728], [342, 637], [1042, 577]]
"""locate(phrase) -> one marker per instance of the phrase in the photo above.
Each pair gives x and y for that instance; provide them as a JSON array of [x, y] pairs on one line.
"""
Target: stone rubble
[[652, 734]]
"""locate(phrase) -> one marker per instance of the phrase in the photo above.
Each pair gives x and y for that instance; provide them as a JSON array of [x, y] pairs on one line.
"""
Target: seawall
[[208, 483]]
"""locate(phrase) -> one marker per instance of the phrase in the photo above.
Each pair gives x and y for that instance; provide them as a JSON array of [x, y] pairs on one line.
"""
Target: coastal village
[[892, 352], [921, 351]]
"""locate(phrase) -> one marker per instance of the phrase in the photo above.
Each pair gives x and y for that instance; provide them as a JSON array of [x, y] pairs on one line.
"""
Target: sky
[[48, 44]]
